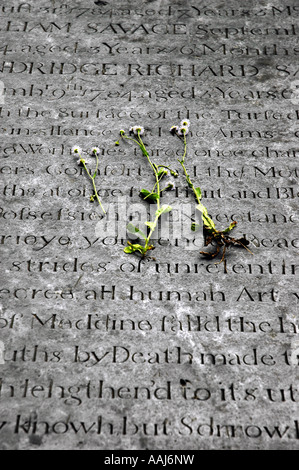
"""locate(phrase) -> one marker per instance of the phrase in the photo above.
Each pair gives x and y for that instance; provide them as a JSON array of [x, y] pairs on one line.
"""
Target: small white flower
[[185, 123], [170, 185], [138, 130], [183, 130], [77, 149], [95, 150]]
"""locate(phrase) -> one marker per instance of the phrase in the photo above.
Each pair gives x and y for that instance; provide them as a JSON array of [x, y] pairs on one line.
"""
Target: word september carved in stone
[[93, 341]]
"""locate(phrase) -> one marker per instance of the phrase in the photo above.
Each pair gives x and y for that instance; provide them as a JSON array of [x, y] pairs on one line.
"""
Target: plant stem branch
[[182, 162], [154, 168], [93, 184]]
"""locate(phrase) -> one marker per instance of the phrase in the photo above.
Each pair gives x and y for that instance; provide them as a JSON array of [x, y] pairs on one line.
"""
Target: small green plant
[[94, 152], [217, 238], [152, 196]]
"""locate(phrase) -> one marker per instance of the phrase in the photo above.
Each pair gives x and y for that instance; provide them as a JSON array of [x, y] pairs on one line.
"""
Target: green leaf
[[94, 175], [143, 150], [208, 222], [128, 249], [151, 225], [232, 225], [132, 229], [163, 209], [205, 217], [132, 248], [162, 172], [202, 208], [198, 192], [149, 196]]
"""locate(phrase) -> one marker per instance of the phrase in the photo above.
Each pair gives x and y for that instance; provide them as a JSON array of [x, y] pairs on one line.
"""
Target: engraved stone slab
[[100, 349]]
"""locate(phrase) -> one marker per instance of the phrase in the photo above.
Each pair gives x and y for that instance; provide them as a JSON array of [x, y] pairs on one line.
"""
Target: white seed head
[[170, 185], [77, 149], [185, 123], [183, 130], [138, 130], [95, 150]]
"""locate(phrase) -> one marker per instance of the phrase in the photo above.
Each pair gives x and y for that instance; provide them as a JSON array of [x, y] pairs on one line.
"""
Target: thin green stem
[[156, 187], [154, 168], [182, 162], [185, 148], [167, 167], [97, 196], [167, 187], [164, 166], [97, 164], [130, 138], [160, 178], [151, 232], [85, 168], [206, 220], [93, 183]]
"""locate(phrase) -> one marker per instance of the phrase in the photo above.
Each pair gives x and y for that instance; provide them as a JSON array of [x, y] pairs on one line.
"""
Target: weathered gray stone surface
[[99, 350]]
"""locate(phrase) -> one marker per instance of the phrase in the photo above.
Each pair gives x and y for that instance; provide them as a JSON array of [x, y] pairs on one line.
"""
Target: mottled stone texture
[[100, 349]]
